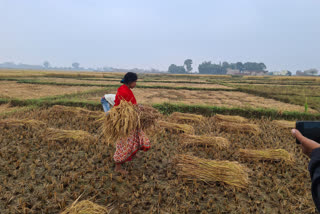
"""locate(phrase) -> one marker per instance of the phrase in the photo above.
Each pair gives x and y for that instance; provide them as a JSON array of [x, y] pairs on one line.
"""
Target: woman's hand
[[307, 144]]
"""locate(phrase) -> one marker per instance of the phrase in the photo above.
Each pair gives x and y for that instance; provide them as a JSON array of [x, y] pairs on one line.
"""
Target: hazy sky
[[284, 34]]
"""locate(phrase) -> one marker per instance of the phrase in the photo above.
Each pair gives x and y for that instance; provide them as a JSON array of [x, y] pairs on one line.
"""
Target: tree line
[[207, 67]]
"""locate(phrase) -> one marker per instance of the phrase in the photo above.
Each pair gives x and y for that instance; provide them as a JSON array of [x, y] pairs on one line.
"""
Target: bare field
[[11, 89]]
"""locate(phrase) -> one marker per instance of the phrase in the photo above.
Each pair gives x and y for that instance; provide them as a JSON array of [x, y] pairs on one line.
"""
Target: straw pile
[[176, 128], [76, 111], [186, 118], [65, 135], [204, 140], [285, 124], [247, 128], [231, 173], [86, 207], [15, 123], [228, 118], [267, 154], [148, 116], [120, 122]]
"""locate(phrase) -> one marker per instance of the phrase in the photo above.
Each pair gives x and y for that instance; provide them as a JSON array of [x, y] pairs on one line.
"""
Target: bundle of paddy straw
[[186, 118], [148, 116], [58, 110], [204, 140], [247, 128], [86, 207], [231, 173], [123, 119], [267, 154], [229, 118], [176, 128], [14, 123], [65, 135], [285, 124]]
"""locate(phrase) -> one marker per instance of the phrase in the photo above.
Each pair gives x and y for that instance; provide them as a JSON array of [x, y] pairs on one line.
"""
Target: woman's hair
[[129, 77]]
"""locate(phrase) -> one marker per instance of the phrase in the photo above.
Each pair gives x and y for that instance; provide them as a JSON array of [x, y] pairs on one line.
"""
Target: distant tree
[[46, 64], [311, 71], [209, 68], [239, 66], [225, 65], [289, 73], [75, 65], [262, 66], [174, 69], [188, 65]]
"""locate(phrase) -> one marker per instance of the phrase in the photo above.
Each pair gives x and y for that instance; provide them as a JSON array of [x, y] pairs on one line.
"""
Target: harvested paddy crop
[[186, 118], [285, 124], [229, 118], [227, 172], [267, 154], [204, 140], [247, 128], [121, 121], [176, 128], [66, 135], [11, 89], [14, 123], [148, 116], [63, 117], [86, 207]]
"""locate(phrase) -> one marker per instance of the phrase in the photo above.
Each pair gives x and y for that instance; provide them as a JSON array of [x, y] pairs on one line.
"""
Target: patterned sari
[[127, 148]]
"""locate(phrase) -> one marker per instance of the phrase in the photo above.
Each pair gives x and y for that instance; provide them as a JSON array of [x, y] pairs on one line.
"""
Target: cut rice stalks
[[186, 118], [204, 140], [267, 154], [246, 128], [120, 122], [148, 116], [86, 207], [15, 123], [65, 135], [285, 124], [229, 118], [77, 111], [176, 128], [231, 173]]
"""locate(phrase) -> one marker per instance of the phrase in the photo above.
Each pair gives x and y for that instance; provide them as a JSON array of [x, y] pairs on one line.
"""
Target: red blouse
[[124, 93]]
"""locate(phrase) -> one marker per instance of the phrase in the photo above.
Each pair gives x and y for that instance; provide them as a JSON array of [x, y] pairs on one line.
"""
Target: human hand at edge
[[307, 144]]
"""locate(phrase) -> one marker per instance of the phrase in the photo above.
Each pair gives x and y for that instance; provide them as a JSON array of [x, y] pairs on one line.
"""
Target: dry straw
[[86, 207], [186, 118], [247, 128], [61, 110], [285, 124], [148, 116], [267, 154], [65, 135], [231, 173], [176, 128], [120, 122], [204, 140], [228, 118], [15, 123]]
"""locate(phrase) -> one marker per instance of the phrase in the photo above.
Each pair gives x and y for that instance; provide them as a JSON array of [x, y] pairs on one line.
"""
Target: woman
[[126, 148]]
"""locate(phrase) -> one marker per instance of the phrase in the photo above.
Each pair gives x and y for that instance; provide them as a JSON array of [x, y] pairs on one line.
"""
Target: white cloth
[[110, 98]]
